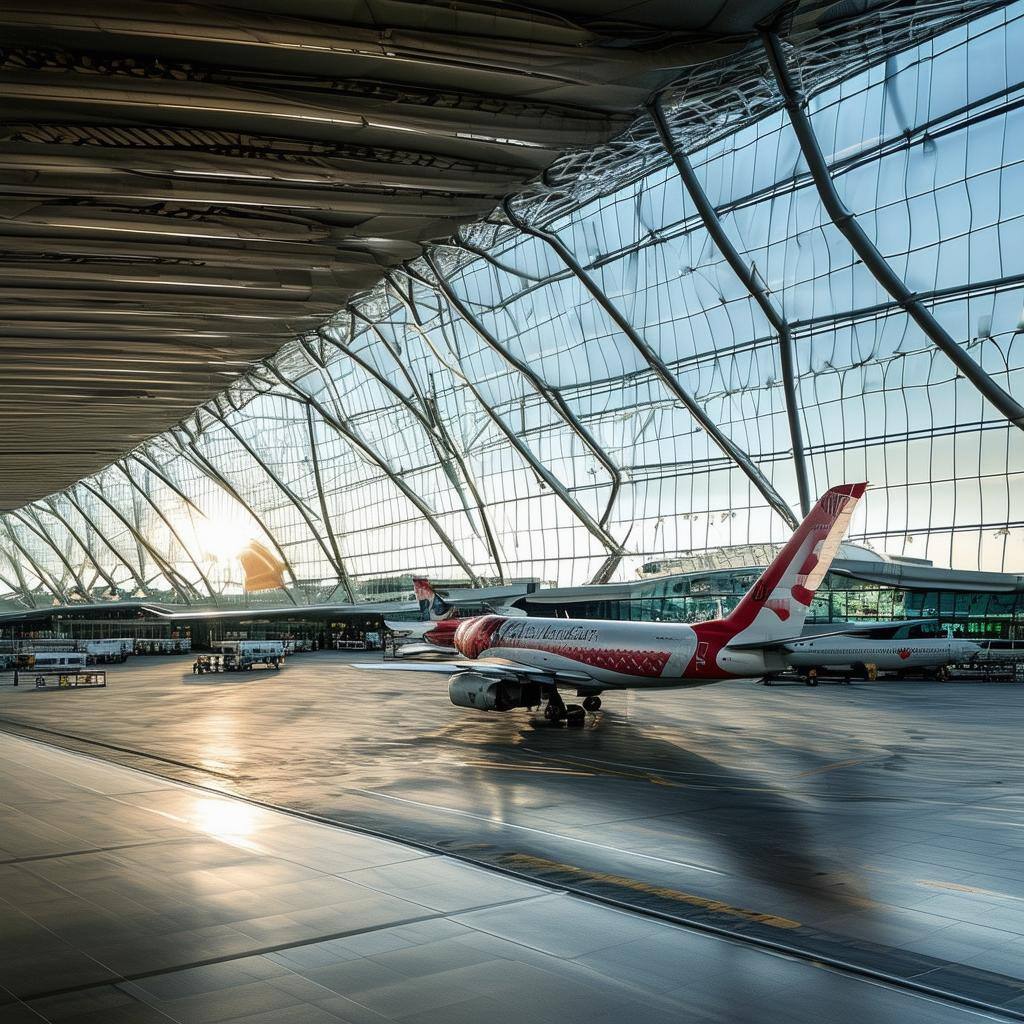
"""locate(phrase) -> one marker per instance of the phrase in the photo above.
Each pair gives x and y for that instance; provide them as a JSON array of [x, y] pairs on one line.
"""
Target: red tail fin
[[777, 604], [430, 603]]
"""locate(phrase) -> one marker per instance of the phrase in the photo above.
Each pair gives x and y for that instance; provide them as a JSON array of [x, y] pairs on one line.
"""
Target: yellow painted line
[[971, 889], [524, 768], [598, 770], [657, 779], [526, 860]]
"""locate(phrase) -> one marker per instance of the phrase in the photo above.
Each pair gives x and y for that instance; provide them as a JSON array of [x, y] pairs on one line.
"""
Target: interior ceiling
[[186, 187]]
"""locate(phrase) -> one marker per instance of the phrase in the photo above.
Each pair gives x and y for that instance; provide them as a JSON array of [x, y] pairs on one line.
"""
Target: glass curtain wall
[[669, 345]]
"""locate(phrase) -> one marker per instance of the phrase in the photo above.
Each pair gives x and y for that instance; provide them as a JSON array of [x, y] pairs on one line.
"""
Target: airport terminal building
[[511, 512], [667, 344]]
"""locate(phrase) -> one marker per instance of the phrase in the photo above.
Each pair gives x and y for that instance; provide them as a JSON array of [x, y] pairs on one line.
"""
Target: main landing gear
[[574, 715]]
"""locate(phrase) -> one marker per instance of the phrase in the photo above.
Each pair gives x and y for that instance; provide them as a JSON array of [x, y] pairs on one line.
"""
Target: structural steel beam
[[16, 564], [436, 430], [23, 515], [136, 574], [550, 395], [16, 589], [42, 575], [122, 466], [381, 463], [796, 107], [427, 417], [299, 504], [774, 316], [325, 516], [658, 365], [173, 577], [524, 450], [51, 508], [206, 466], [150, 466]]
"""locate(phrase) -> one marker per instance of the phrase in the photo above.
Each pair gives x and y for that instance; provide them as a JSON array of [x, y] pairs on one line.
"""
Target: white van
[[57, 661]]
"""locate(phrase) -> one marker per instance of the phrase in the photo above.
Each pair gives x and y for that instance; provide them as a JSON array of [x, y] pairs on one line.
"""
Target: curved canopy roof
[[185, 187]]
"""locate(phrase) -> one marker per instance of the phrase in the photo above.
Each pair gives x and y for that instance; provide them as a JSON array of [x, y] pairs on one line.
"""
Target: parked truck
[[243, 655], [103, 652]]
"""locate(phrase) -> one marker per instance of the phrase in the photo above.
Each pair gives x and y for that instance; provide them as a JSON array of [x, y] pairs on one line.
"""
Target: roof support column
[[173, 577], [658, 365], [550, 395], [41, 574], [191, 452], [325, 516], [16, 564], [774, 315], [51, 507], [122, 466], [300, 506], [18, 589], [35, 526], [542, 471], [372, 456], [846, 222], [136, 574], [426, 413]]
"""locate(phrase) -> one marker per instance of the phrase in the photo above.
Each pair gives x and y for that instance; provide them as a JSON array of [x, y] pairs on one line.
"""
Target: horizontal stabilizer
[[849, 629]]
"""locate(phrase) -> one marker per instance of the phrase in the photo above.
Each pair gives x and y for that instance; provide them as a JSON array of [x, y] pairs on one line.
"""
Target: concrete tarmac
[[876, 825]]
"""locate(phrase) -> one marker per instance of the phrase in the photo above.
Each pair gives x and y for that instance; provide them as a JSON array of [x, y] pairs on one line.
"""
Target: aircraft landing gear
[[592, 703], [811, 679], [575, 716], [556, 710]]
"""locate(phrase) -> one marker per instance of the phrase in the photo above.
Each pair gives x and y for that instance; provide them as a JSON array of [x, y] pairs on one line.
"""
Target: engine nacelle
[[485, 693]]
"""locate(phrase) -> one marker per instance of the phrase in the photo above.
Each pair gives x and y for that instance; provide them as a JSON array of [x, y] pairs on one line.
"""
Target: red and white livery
[[520, 662], [435, 632]]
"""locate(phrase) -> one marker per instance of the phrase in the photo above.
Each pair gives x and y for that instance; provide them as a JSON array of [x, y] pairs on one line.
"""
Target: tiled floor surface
[[125, 898]]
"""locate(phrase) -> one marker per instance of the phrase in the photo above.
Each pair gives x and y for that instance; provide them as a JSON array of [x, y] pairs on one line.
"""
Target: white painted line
[[535, 831]]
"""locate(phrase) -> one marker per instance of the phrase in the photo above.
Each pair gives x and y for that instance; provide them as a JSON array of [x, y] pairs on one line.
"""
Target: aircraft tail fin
[[776, 606], [432, 606]]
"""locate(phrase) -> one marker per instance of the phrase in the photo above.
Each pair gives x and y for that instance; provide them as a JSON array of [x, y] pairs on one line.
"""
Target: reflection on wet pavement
[[887, 816]]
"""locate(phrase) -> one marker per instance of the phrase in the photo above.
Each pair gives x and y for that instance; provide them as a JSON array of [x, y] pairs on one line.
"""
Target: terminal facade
[[670, 344]]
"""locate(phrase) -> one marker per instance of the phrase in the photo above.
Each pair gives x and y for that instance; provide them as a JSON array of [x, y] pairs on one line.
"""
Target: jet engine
[[485, 693]]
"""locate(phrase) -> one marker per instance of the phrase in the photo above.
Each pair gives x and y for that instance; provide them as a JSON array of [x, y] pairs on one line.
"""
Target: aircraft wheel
[[551, 713], [592, 703], [575, 715]]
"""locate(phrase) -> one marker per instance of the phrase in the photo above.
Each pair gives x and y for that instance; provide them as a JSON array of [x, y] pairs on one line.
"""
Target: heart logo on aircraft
[[904, 653]]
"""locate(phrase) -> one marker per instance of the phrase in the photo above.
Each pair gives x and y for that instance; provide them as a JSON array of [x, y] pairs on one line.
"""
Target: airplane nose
[[473, 636]]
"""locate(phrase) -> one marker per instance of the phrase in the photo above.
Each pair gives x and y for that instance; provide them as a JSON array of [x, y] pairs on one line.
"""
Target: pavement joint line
[[113, 746], [823, 961], [228, 957], [96, 849]]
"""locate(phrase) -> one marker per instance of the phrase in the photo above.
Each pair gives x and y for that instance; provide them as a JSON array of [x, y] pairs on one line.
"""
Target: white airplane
[[516, 662], [856, 656]]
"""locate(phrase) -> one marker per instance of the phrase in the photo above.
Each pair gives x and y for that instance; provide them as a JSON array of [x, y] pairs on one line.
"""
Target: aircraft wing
[[404, 650], [489, 667], [408, 628], [849, 629]]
